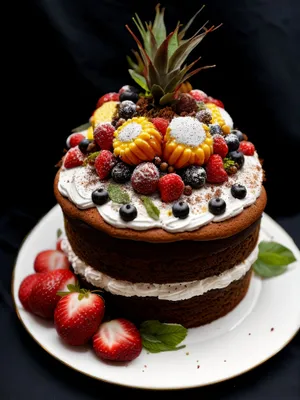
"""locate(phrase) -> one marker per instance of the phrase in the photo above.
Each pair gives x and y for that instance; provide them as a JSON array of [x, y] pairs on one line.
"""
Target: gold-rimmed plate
[[262, 324]]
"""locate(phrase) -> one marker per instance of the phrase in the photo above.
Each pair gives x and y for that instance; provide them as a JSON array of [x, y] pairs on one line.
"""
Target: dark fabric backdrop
[[65, 54]]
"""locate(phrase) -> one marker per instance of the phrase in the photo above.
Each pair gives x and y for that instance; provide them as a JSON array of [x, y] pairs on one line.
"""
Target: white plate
[[262, 324]]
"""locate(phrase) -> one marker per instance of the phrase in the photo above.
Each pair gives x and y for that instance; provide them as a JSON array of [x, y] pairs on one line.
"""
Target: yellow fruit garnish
[[137, 140], [90, 133], [104, 113], [216, 114], [187, 142]]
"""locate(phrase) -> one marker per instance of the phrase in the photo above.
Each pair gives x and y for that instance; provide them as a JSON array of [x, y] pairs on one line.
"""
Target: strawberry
[[43, 297], [104, 163], [26, 287], [220, 145], [171, 187], [104, 135], [217, 102], [73, 158], [215, 169], [49, 260], [198, 95], [247, 148], [78, 315], [112, 96], [117, 340], [58, 244], [145, 178], [161, 124], [74, 139]]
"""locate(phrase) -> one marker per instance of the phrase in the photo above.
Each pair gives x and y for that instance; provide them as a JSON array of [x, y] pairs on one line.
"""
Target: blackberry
[[194, 176], [121, 173]]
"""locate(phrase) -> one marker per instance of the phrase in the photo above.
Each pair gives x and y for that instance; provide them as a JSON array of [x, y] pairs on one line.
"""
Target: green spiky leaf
[[159, 28], [157, 91], [139, 79], [173, 42], [161, 59], [186, 27], [167, 98]]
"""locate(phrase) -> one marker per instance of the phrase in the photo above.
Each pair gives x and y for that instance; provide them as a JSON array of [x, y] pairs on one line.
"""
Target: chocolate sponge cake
[[162, 197]]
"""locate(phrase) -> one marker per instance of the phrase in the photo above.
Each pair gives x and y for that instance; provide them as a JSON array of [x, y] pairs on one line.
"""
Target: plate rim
[[193, 386]]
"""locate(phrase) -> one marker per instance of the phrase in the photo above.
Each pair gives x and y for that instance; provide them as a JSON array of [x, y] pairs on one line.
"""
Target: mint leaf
[[151, 208], [273, 259], [158, 337], [117, 194], [58, 233], [91, 158], [82, 127]]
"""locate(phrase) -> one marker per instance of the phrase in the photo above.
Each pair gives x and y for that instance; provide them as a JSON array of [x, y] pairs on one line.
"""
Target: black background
[[65, 54]]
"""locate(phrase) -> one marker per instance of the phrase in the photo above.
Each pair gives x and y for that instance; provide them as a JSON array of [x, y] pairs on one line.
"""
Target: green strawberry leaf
[[151, 208], [58, 233], [118, 195]]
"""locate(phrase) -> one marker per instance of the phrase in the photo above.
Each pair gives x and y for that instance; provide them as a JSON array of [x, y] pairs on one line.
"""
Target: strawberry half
[[78, 316], [117, 340], [73, 158], [49, 260], [215, 169], [43, 297], [26, 287]]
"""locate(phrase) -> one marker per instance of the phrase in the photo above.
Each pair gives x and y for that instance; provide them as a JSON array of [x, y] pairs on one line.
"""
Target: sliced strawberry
[[74, 139], [43, 297], [215, 169], [112, 96], [73, 158], [58, 244], [117, 340], [49, 260], [104, 163], [78, 316], [26, 287]]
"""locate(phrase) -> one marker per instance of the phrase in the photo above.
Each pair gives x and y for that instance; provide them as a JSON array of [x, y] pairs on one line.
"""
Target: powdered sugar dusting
[[188, 131], [130, 132]]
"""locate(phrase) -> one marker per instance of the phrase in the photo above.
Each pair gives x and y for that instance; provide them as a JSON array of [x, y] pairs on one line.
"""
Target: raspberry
[[217, 102], [145, 178], [171, 187], [161, 124], [74, 139], [247, 148], [215, 169], [198, 95], [107, 97], [73, 158], [104, 163], [104, 135], [220, 146]]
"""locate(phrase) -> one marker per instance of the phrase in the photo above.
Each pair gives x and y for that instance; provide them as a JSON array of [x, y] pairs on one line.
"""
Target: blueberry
[[100, 196], [194, 176], [237, 157], [238, 191], [232, 142], [127, 109], [181, 209], [215, 129], [129, 95], [217, 206], [128, 212], [83, 145], [121, 173], [238, 134]]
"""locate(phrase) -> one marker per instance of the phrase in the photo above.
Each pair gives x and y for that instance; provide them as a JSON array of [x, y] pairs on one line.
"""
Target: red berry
[[217, 102], [220, 145], [198, 95], [73, 158], [215, 169], [145, 178], [77, 317], [58, 245], [112, 96], [171, 187], [104, 163], [247, 148], [74, 139], [161, 124], [43, 297], [26, 288], [49, 260], [117, 340], [104, 135]]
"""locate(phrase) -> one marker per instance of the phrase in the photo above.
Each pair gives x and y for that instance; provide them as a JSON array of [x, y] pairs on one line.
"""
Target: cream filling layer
[[171, 291]]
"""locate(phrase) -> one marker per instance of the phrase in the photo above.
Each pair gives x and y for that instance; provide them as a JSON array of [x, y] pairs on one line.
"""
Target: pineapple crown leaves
[[159, 69]]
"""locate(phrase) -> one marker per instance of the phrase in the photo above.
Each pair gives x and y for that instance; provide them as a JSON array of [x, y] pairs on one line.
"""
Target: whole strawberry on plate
[[49, 260], [117, 340], [78, 315]]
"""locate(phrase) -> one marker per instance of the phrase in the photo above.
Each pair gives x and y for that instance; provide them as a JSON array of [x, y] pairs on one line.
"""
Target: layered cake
[[162, 196]]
